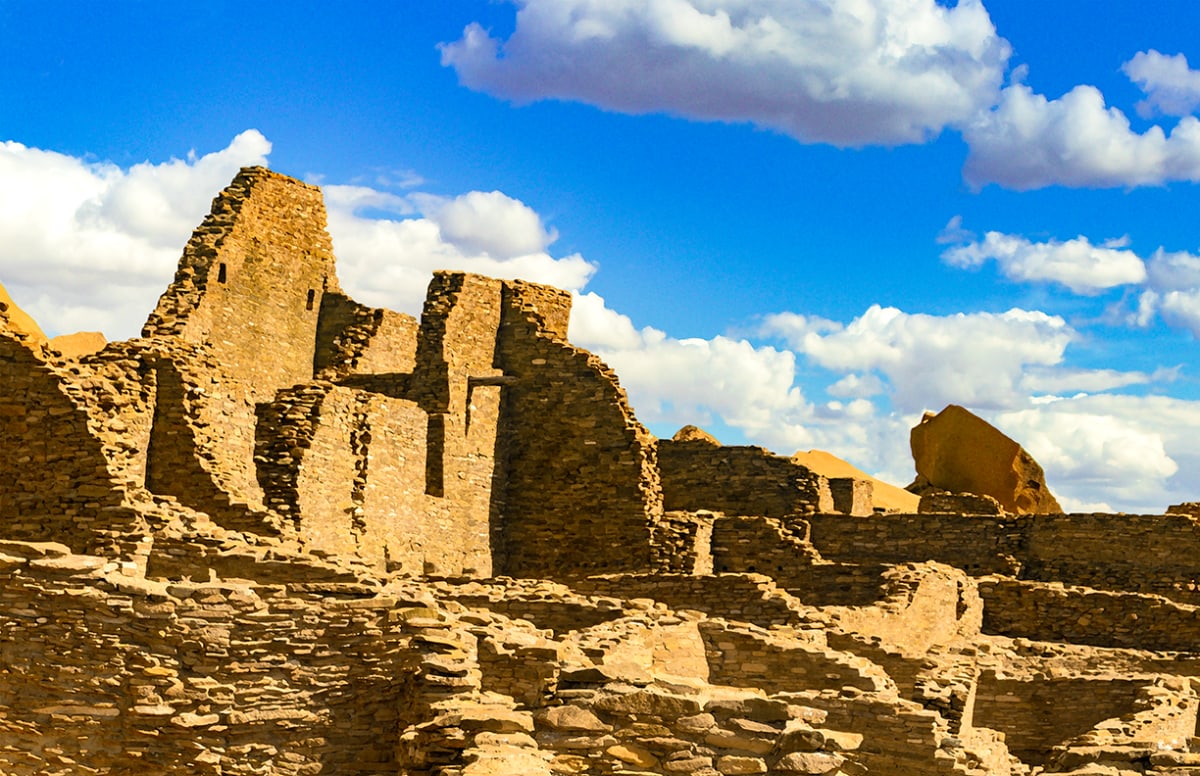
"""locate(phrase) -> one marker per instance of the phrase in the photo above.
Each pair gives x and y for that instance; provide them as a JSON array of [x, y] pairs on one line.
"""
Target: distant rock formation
[[959, 452], [884, 495], [19, 322]]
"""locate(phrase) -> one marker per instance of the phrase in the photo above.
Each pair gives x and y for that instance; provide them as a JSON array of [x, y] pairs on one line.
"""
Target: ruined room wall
[[682, 543], [904, 737], [355, 339], [348, 468], [1036, 715], [201, 445], [921, 605], [456, 381], [582, 491], [56, 481], [1079, 615], [738, 481], [251, 280], [762, 545], [749, 597], [120, 388], [306, 465], [420, 533], [977, 544], [249, 285], [126, 676], [778, 661]]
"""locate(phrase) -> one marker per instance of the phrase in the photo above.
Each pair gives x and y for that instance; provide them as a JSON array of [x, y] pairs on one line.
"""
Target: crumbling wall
[[353, 339], [251, 279], [697, 474], [56, 481], [778, 661], [249, 288], [114, 674], [201, 444], [763, 545], [922, 605], [751, 598], [1037, 715], [582, 492]]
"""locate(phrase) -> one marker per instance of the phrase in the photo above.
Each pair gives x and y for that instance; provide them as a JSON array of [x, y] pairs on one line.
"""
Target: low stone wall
[[117, 674], [748, 597], [1080, 615], [1035, 716], [977, 544], [900, 737], [697, 474], [1134, 553], [776, 661]]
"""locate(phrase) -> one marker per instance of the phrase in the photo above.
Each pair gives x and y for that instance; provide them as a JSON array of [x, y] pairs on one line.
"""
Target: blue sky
[[797, 223]]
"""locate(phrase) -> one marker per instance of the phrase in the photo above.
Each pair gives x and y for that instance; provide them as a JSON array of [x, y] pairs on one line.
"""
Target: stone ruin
[[286, 533]]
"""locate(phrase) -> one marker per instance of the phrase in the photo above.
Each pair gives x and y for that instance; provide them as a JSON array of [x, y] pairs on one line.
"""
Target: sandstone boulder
[[960, 452], [79, 344]]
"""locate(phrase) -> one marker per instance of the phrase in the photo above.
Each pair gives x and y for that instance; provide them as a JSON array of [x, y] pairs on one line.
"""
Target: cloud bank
[[846, 72]]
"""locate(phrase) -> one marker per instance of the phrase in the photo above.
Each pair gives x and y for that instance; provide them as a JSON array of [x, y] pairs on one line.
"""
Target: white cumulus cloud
[[1132, 453], [1028, 142], [975, 359], [1077, 263], [846, 72], [1171, 87]]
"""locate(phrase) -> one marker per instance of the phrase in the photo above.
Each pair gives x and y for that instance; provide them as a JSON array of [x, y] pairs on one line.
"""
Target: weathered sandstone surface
[[286, 533], [960, 452]]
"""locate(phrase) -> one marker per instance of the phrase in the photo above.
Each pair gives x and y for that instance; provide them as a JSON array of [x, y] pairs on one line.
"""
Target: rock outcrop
[[959, 452]]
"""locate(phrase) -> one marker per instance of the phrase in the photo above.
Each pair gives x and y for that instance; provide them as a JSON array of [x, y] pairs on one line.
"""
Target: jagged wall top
[[251, 279]]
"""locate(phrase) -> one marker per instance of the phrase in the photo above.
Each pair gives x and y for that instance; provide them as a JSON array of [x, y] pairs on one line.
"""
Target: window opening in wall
[[312, 296], [221, 273]]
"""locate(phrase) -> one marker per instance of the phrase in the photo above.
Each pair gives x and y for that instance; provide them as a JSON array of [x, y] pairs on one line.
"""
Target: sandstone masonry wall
[[106, 674], [1158, 554], [738, 481], [56, 483], [577, 456], [1035, 716], [355, 339]]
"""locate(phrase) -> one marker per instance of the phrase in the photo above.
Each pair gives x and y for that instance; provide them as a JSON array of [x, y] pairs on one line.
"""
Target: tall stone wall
[[697, 474], [582, 492], [251, 281], [201, 443]]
